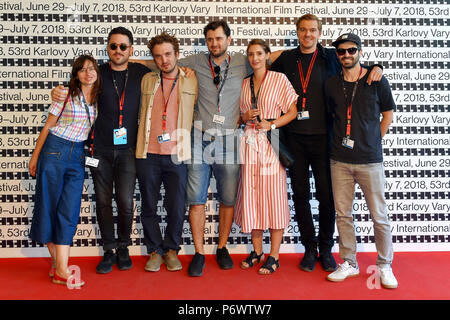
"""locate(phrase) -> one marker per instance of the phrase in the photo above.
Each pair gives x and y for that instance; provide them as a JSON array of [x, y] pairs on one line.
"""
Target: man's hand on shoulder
[[375, 75], [275, 55], [188, 71], [59, 93]]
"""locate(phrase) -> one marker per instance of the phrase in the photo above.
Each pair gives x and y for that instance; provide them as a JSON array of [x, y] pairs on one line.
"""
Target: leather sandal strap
[[269, 264], [251, 257]]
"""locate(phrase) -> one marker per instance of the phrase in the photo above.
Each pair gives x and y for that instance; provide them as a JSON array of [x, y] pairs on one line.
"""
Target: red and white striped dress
[[262, 193]]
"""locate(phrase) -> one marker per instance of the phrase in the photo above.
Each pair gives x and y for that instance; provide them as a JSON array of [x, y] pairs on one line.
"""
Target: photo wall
[[411, 39]]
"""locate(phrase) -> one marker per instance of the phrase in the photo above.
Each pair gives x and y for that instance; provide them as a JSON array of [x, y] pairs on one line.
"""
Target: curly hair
[[164, 38]]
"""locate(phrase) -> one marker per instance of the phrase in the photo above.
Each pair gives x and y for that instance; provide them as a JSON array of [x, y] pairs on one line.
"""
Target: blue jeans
[[219, 157], [151, 172], [116, 171], [59, 186], [370, 178]]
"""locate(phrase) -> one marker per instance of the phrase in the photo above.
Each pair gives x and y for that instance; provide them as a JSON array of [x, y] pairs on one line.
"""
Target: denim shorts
[[59, 186], [218, 157]]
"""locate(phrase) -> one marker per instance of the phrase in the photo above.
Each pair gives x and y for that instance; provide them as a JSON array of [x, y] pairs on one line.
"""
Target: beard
[[220, 54], [349, 65], [169, 71]]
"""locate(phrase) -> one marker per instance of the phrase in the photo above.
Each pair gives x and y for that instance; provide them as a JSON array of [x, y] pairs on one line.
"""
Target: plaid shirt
[[73, 125]]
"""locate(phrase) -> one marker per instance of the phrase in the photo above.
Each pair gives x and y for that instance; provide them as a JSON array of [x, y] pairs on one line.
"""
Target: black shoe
[[223, 259], [196, 266], [109, 259], [327, 261], [308, 262], [123, 259]]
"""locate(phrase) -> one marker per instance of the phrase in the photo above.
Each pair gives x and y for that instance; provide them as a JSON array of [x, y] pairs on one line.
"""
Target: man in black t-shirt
[[307, 68], [356, 156], [113, 145]]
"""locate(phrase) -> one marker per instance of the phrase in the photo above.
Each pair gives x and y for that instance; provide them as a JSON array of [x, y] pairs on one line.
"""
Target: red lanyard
[[350, 105], [304, 81], [121, 102], [165, 103], [121, 97]]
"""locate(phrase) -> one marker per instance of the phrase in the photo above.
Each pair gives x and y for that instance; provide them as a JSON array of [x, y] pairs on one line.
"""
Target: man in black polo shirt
[[308, 67], [114, 143]]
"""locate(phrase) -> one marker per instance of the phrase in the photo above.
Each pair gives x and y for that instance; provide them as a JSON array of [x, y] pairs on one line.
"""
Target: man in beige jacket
[[163, 146]]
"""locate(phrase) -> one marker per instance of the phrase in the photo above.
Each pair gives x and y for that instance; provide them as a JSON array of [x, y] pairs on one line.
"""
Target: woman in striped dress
[[262, 194], [58, 164]]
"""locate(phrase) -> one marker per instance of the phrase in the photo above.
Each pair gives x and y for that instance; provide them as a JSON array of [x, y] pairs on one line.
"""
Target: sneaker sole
[[174, 268], [331, 269], [340, 280], [196, 275], [125, 268], [389, 286], [306, 269], [103, 271], [152, 269]]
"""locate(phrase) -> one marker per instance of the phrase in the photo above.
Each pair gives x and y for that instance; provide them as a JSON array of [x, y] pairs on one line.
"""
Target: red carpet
[[421, 276]]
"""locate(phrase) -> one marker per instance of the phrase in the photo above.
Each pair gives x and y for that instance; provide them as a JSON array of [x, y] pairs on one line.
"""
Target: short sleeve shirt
[[108, 105], [73, 124], [368, 104], [212, 102]]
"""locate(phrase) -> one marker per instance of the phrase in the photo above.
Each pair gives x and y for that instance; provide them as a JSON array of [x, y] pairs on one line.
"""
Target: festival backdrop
[[410, 38]]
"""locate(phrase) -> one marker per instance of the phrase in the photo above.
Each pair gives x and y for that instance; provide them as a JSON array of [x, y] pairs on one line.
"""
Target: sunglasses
[[351, 51], [217, 79], [122, 46]]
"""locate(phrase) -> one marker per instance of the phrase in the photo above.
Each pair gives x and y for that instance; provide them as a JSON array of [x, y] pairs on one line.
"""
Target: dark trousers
[[312, 150], [151, 172], [116, 171]]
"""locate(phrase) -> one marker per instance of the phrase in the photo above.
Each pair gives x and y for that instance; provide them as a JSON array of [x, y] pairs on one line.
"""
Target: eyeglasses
[[341, 51], [217, 79], [122, 46]]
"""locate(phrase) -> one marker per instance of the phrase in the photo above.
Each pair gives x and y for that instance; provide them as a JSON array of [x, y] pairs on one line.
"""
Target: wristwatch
[[273, 126]]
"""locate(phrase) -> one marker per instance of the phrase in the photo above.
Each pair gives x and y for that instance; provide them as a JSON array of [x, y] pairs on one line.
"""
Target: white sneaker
[[344, 271], [388, 279]]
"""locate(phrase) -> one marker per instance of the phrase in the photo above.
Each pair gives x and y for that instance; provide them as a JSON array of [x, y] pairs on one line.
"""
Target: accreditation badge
[[91, 162], [120, 136], [303, 115], [348, 143], [164, 138], [218, 119]]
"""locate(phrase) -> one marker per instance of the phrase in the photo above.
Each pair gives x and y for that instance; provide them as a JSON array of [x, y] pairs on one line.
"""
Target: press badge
[[348, 143], [120, 136], [218, 119], [164, 138], [302, 115], [91, 162]]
